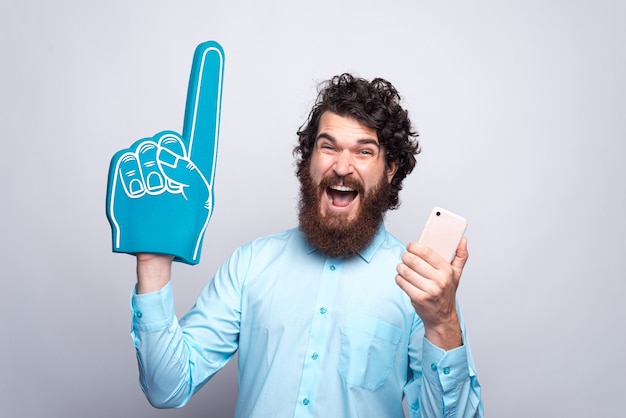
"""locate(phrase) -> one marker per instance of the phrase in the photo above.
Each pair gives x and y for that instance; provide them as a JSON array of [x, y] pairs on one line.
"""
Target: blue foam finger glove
[[160, 190]]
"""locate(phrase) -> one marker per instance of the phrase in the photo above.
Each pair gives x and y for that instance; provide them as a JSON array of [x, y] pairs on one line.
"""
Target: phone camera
[[438, 213]]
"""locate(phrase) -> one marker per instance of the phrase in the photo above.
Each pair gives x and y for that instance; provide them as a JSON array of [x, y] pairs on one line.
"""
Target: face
[[345, 187], [349, 162]]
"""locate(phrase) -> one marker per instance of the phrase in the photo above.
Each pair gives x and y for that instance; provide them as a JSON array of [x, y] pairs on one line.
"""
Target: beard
[[334, 233]]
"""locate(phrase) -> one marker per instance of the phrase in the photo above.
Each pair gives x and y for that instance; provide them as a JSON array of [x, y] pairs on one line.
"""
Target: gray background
[[521, 110]]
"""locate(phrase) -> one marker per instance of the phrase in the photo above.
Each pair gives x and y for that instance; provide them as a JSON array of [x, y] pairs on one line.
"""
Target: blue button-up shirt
[[317, 337]]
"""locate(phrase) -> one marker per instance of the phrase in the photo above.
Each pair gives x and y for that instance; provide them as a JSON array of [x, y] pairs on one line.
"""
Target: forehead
[[336, 127]]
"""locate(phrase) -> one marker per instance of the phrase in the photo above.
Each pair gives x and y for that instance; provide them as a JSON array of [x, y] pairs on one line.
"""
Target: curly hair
[[376, 104]]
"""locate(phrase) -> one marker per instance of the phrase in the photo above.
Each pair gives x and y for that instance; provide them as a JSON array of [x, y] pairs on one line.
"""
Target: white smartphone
[[443, 232]]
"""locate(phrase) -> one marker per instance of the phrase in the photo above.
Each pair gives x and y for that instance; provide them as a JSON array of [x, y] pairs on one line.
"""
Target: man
[[321, 326]]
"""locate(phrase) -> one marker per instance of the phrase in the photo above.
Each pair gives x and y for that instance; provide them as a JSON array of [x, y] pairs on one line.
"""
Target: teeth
[[342, 188]]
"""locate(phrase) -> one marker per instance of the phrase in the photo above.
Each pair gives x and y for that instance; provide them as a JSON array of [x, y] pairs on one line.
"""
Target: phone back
[[443, 232]]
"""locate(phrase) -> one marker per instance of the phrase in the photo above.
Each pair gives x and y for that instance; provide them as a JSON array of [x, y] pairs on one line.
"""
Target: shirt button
[[323, 310], [138, 314], [433, 366], [306, 401], [446, 370], [315, 356], [332, 267]]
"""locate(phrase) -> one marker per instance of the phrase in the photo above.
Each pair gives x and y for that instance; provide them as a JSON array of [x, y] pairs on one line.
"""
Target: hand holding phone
[[430, 283]]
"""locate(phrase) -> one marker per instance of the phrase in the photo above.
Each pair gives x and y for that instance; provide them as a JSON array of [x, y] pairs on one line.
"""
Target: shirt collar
[[367, 253]]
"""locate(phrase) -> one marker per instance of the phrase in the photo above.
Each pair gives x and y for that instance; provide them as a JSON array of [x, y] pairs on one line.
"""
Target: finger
[[429, 255], [203, 108], [425, 268], [171, 149], [414, 275], [150, 173], [411, 290], [130, 175], [174, 163], [124, 182], [170, 155], [416, 290]]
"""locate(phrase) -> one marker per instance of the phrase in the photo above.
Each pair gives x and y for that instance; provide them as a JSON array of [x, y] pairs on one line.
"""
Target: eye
[[365, 152], [326, 146]]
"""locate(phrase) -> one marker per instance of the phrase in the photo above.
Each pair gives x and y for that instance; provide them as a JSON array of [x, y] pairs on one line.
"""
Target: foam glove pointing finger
[[160, 190]]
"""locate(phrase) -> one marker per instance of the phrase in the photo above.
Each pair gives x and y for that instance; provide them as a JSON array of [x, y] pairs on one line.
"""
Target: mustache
[[334, 180]]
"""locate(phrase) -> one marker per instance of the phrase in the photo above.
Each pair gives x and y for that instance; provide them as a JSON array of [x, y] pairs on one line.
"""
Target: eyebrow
[[364, 141]]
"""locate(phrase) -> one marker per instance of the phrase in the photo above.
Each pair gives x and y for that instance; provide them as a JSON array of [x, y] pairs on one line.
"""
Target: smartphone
[[443, 232]]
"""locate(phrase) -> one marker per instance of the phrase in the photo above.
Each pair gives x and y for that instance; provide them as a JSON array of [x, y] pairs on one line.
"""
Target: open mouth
[[341, 196]]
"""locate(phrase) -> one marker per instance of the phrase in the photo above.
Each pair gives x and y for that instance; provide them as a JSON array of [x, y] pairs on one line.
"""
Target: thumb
[[171, 148], [175, 164], [461, 256]]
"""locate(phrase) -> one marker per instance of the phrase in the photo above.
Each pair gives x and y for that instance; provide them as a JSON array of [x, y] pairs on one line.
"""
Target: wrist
[[153, 272], [446, 336]]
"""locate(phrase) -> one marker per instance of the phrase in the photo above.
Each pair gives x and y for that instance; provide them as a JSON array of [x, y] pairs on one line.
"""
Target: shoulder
[[392, 241], [258, 253], [290, 241], [287, 237], [388, 244], [275, 252]]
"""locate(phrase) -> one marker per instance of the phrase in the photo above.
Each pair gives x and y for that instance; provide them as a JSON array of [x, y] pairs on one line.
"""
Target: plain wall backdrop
[[522, 114]]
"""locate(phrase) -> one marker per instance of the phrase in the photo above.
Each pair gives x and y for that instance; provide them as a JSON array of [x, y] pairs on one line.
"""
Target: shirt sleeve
[[160, 349], [176, 358], [443, 383], [152, 311]]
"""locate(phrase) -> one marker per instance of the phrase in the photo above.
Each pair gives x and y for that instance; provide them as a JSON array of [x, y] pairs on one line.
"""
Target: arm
[[153, 272], [444, 378], [176, 358], [443, 383]]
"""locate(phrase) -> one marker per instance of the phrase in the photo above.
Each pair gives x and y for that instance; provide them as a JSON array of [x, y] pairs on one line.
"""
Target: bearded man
[[335, 318]]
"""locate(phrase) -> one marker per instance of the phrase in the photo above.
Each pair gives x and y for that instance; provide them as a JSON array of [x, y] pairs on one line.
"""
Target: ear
[[391, 168]]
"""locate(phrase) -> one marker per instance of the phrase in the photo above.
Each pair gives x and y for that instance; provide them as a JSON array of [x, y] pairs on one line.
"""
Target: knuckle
[[435, 291], [425, 252], [400, 267]]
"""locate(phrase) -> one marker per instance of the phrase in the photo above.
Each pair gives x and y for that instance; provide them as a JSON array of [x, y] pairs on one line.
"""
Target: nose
[[343, 164]]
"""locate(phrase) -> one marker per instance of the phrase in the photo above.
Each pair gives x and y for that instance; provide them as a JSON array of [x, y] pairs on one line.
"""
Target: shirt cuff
[[444, 369], [153, 311]]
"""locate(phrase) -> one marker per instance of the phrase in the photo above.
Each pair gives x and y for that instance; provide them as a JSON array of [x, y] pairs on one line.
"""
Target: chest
[[290, 295]]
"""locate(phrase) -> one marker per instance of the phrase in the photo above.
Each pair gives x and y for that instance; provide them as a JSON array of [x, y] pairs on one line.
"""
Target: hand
[[160, 190], [431, 283]]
